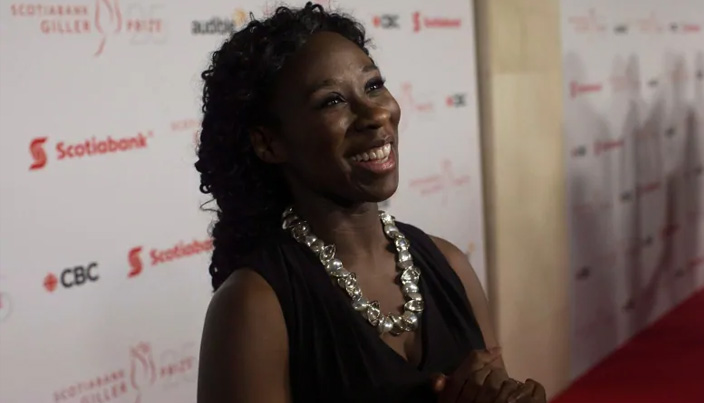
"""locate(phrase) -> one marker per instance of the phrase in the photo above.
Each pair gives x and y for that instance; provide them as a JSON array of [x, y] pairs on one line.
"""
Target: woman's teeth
[[375, 154]]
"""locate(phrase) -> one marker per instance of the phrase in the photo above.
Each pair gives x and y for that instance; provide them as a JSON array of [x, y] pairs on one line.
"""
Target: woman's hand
[[528, 392], [480, 378]]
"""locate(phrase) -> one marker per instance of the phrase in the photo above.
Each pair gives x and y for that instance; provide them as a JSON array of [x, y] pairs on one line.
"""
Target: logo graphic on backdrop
[[421, 22], [187, 125], [91, 147], [602, 146], [5, 306], [72, 277], [650, 24], [456, 100], [220, 25], [589, 22], [442, 182], [577, 89], [103, 19], [181, 250], [621, 29], [170, 368], [685, 27], [387, 21]]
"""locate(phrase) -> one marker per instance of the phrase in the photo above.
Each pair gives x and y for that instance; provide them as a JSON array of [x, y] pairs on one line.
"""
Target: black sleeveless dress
[[335, 355]]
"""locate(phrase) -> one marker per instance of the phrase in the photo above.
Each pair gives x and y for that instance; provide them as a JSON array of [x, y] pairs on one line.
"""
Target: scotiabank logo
[[220, 25], [101, 18], [145, 369], [88, 148], [36, 148], [608, 145], [72, 277], [420, 22], [181, 250], [577, 89]]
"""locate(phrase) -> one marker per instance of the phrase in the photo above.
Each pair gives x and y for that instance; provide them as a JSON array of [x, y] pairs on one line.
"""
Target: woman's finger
[[489, 387], [523, 394], [539, 393], [507, 387], [476, 361]]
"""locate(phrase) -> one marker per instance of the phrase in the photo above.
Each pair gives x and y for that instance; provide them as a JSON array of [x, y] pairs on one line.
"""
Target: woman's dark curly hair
[[251, 194]]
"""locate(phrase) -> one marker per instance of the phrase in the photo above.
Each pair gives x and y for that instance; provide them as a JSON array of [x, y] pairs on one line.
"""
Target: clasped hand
[[481, 379]]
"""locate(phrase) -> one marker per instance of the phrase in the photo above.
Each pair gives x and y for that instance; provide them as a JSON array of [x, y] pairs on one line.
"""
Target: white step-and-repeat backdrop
[[634, 127], [104, 251]]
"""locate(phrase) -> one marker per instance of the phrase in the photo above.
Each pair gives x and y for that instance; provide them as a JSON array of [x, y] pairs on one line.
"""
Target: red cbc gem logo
[[50, 282]]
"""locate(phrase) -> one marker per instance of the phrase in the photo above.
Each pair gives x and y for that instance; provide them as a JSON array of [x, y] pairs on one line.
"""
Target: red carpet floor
[[662, 364]]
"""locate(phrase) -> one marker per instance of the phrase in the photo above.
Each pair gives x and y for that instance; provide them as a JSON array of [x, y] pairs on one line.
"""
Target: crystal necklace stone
[[394, 324]]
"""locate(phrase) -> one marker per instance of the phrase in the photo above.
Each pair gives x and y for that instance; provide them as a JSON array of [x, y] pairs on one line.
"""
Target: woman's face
[[338, 131]]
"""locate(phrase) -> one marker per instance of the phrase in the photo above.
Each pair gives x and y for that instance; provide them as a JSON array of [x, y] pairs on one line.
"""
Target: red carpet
[[662, 364]]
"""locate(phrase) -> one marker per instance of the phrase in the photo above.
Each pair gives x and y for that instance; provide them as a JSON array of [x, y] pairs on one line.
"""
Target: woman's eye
[[375, 84], [331, 101]]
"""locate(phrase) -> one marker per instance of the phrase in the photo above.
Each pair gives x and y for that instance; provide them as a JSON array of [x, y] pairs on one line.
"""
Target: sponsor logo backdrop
[[104, 254], [634, 128]]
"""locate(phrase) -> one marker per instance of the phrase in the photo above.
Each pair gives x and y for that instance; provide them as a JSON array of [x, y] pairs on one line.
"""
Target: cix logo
[[621, 29], [579, 151], [72, 277], [456, 100], [88, 148], [420, 22], [160, 256], [386, 21]]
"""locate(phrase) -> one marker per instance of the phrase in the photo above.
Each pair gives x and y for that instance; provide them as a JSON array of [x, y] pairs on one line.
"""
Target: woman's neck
[[355, 230]]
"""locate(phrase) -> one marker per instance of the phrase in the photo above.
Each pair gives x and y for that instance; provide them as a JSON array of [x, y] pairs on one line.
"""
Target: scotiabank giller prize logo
[[160, 256], [87, 148], [102, 18], [171, 367]]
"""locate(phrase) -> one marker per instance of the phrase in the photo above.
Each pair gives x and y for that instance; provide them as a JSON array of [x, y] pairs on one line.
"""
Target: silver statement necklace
[[409, 274]]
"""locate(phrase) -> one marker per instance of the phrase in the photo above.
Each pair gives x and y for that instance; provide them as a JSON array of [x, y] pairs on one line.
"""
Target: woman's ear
[[267, 145]]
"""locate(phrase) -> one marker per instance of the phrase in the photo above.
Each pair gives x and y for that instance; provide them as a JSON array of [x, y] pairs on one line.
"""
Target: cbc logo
[[72, 277]]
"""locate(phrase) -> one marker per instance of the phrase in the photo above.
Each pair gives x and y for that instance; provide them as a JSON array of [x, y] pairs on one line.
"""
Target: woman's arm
[[473, 288], [244, 349]]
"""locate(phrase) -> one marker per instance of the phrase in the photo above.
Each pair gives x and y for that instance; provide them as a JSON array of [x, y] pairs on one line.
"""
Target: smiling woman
[[320, 296]]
